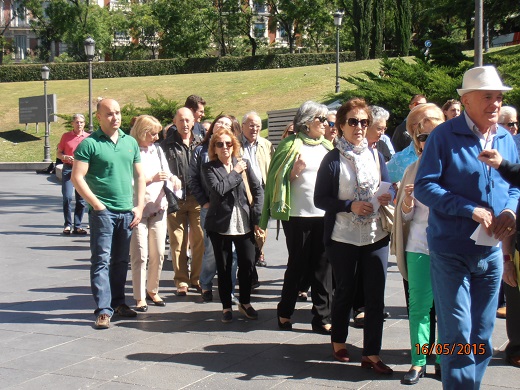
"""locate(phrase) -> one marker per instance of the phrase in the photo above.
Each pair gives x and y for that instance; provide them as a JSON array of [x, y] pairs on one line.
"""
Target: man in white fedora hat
[[463, 194]]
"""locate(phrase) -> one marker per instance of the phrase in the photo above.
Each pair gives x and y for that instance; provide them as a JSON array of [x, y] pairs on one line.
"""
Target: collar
[[100, 133], [475, 130], [246, 142]]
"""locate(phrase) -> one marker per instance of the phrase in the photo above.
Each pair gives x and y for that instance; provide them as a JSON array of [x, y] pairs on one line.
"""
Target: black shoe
[[196, 287], [79, 231], [438, 370], [207, 296], [412, 377], [249, 312], [227, 316], [320, 329], [124, 311], [284, 325], [156, 303], [261, 262], [142, 309]]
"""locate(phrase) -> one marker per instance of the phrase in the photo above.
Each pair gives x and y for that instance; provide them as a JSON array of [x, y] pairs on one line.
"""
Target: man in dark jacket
[[178, 147]]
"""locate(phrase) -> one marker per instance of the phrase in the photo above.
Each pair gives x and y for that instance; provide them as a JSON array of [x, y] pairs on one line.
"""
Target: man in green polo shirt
[[102, 173]]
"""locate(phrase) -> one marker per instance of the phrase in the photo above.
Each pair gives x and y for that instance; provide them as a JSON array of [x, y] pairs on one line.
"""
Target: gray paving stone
[[47, 339]]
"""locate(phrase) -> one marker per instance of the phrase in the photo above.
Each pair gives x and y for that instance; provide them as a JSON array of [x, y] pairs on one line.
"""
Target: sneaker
[[103, 321], [249, 312], [234, 300], [207, 296], [124, 311], [227, 316]]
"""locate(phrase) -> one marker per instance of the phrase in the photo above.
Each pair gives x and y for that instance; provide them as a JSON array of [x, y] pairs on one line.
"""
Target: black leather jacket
[[178, 156]]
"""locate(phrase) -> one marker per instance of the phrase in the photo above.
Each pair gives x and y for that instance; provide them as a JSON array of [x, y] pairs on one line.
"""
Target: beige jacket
[[401, 228], [264, 153]]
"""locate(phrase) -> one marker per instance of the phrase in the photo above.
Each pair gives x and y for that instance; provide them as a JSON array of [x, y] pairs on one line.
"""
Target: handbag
[[260, 235], [386, 213], [173, 201]]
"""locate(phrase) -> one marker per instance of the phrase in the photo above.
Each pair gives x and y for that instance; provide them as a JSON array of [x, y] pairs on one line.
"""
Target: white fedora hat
[[482, 78]]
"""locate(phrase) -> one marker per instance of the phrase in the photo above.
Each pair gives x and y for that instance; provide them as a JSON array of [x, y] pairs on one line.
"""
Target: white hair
[[506, 111], [248, 114]]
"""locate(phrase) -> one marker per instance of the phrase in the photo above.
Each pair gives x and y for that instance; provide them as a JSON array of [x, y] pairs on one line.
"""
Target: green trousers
[[421, 300]]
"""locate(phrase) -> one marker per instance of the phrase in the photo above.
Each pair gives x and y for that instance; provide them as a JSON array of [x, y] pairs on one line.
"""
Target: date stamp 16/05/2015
[[451, 349]]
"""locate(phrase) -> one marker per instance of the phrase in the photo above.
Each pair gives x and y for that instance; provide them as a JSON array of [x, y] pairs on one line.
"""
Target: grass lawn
[[233, 93]]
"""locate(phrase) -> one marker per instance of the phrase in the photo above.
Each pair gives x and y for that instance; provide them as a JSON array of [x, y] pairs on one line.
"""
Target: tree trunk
[[254, 45]]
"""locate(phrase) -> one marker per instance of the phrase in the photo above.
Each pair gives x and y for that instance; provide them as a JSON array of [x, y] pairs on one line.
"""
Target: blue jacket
[[451, 181]]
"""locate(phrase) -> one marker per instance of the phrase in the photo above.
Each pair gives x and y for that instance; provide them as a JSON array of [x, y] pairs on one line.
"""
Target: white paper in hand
[[481, 238], [383, 189]]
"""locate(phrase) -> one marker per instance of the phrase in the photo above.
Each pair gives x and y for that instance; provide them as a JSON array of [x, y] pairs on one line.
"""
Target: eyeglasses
[[221, 144], [331, 124], [381, 129], [511, 124], [354, 122], [422, 137], [322, 119]]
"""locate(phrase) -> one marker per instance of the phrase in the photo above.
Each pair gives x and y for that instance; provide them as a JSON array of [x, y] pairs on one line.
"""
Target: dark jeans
[[110, 246], [512, 320], [304, 238], [66, 190], [245, 249], [369, 262]]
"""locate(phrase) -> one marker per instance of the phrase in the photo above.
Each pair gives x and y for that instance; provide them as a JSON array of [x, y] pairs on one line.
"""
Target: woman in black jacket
[[236, 199]]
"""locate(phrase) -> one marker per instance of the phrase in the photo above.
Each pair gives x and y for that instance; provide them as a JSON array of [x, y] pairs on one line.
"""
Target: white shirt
[[302, 188], [345, 230], [417, 241]]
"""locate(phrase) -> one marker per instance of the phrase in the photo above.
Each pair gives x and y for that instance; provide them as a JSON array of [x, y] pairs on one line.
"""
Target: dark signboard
[[32, 109]]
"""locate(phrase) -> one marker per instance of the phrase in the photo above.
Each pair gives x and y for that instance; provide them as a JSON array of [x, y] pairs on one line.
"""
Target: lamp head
[[45, 72], [90, 48]]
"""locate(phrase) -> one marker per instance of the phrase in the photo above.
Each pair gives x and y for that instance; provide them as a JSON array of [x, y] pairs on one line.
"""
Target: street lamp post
[[90, 49], [46, 147], [338, 16]]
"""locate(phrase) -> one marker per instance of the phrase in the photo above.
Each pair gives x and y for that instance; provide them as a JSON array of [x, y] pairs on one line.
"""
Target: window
[[259, 29]]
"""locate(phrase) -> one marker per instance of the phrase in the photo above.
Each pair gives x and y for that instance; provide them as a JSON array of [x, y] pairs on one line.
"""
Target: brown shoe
[[103, 321], [501, 312]]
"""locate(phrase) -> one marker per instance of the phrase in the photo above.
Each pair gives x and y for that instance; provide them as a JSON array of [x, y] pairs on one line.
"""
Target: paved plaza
[[47, 338]]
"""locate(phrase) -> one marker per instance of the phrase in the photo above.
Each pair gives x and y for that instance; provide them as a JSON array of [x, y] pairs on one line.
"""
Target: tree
[[378, 17], [183, 31], [361, 27], [403, 27]]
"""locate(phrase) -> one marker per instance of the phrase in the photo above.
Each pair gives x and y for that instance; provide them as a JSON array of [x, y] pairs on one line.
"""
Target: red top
[[70, 141]]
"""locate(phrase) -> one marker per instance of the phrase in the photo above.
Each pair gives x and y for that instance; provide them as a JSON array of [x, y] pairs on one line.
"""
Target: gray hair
[[506, 111], [306, 113], [78, 116], [378, 113], [247, 115]]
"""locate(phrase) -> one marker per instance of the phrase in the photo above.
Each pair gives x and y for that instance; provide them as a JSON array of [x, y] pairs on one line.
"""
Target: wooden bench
[[277, 121]]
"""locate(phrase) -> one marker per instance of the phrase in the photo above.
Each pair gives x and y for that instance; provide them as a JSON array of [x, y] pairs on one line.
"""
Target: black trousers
[[304, 239], [369, 262], [245, 247]]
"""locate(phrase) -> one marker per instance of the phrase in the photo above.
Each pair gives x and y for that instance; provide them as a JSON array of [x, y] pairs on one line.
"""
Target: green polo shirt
[[111, 168]]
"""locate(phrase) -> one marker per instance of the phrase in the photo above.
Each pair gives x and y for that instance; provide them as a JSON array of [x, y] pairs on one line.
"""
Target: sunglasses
[[354, 122], [511, 124], [331, 124], [322, 119], [422, 137], [221, 144]]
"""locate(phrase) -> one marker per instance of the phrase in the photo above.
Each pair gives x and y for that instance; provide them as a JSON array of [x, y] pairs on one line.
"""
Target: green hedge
[[113, 69]]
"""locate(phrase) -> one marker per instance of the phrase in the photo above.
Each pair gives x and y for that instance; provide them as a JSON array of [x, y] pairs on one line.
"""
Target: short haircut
[[193, 101], [378, 113], [417, 97], [248, 114], [78, 116], [236, 144], [349, 105], [144, 124], [306, 114], [506, 111]]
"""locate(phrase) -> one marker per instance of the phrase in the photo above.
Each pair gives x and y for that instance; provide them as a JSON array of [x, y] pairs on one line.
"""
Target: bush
[[113, 69], [399, 80]]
